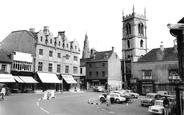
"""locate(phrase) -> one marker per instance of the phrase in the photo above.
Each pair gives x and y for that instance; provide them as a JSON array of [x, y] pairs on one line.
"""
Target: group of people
[[169, 108]]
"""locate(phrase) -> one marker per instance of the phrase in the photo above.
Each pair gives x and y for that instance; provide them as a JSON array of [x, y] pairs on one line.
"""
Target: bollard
[[45, 95]]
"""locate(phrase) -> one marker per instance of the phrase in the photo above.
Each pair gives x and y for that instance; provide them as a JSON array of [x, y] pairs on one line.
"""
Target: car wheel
[[117, 100], [142, 104], [102, 100]]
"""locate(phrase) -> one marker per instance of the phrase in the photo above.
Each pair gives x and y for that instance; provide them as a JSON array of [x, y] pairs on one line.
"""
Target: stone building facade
[[156, 70], [134, 42], [53, 55], [103, 68]]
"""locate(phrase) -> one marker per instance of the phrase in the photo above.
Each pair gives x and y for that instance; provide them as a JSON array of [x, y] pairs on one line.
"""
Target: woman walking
[[3, 92]]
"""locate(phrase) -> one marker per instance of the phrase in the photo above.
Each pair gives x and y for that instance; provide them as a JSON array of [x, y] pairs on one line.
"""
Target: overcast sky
[[100, 19]]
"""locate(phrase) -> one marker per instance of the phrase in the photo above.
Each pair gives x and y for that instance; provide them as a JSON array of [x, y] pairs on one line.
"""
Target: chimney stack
[[112, 49], [31, 29], [46, 30]]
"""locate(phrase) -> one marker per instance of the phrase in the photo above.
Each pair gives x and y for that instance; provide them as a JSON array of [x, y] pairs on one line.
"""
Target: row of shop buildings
[[38, 61]]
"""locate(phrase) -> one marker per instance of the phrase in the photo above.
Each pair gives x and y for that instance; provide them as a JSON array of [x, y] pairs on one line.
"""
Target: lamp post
[[177, 30]]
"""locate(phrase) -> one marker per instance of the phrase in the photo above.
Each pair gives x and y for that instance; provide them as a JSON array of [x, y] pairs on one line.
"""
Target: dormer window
[[106, 55]]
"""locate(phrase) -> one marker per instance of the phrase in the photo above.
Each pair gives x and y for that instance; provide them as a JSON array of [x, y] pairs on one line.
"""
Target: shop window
[[146, 74], [40, 65]]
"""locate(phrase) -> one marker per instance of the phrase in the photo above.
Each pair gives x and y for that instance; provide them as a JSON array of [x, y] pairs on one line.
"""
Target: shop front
[[146, 86], [69, 83], [7, 79], [48, 81]]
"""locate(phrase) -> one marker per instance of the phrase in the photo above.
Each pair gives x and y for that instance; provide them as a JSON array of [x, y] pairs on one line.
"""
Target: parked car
[[124, 94], [134, 95], [149, 99], [163, 92], [118, 98], [98, 89], [158, 107]]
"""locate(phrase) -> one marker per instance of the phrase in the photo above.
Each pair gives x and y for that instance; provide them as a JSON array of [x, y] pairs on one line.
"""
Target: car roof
[[152, 94]]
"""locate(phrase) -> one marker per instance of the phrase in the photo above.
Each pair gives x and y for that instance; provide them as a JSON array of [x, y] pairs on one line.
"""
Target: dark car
[[149, 99]]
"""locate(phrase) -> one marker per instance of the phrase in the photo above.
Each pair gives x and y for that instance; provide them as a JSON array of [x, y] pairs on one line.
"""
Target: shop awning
[[18, 79], [48, 78], [69, 79], [28, 79], [6, 78]]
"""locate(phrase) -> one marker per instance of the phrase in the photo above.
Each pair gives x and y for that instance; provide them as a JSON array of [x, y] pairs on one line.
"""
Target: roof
[[4, 57], [33, 34], [155, 55], [100, 56]]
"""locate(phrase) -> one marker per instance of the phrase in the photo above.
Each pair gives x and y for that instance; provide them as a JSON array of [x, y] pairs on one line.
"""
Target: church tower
[[86, 50], [134, 40]]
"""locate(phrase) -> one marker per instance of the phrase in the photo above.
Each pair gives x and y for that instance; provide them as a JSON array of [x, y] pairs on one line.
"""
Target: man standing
[[3, 92], [166, 105]]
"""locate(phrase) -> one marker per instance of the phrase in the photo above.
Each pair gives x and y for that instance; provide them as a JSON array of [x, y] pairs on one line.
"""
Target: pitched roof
[[4, 57], [33, 34], [100, 56], [155, 55]]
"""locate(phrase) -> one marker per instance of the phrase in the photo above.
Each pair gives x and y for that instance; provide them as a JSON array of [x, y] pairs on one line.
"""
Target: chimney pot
[[32, 29]]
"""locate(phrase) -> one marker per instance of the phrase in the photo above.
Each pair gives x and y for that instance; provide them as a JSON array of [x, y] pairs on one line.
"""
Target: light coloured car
[[98, 89], [117, 97], [163, 92], [157, 108], [134, 95], [124, 94]]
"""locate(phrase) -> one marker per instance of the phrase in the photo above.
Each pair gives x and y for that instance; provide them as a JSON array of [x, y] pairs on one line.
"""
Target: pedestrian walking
[[108, 101], [166, 106], [3, 92]]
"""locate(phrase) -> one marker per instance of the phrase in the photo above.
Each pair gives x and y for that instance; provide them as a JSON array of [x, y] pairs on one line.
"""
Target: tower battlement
[[134, 15]]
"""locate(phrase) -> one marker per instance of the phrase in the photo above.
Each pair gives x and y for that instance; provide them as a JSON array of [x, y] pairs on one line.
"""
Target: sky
[[100, 19]]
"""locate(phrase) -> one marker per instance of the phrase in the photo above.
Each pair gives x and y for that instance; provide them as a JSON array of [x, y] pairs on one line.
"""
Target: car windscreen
[[149, 96]]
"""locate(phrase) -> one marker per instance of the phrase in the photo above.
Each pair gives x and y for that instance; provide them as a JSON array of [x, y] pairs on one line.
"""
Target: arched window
[[141, 43], [141, 28], [128, 28], [128, 44]]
